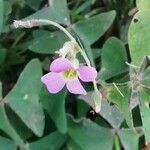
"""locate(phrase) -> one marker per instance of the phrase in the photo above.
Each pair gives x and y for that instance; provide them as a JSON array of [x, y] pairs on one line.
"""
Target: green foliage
[[114, 58], [24, 98], [45, 42], [8, 129], [89, 135], [53, 142], [145, 112], [7, 144], [110, 113], [143, 5], [57, 12], [55, 106], [122, 101], [31, 118], [95, 26], [129, 139], [35, 4], [1, 14], [138, 40], [146, 77], [2, 55]]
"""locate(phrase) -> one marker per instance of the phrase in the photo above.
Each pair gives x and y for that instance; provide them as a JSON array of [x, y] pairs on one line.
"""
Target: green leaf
[[6, 14], [9, 130], [6, 144], [1, 93], [143, 5], [82, 108], [91, 29], [47, 43], [84, 6], [35, 4], [22, 130], [96, 53], [129, 139], [145, 64], [1, 14], [71, 145], [88, 50], [55, 106], [7, 127], [15, 56], [114, 58], [24, 97], [110, 113], [146, 77], [2, 55], [122, 101], [92, 98], [139, 37], [57, 11], [7, 10], [52, 141], [90, 136], [145, 113]]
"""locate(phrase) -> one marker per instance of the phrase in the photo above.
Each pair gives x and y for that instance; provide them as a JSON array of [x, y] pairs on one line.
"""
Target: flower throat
[[70, 74]]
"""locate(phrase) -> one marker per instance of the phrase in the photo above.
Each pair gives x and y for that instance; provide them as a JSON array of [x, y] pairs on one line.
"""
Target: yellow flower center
[[70, 74]]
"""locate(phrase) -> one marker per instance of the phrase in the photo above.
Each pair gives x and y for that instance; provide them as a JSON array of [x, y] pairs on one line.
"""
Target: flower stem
[[39, 22], [97, 99], [117, 143]]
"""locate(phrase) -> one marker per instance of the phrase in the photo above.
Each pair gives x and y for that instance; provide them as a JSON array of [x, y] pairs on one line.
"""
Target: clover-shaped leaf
[[24, 97], [138, 40]]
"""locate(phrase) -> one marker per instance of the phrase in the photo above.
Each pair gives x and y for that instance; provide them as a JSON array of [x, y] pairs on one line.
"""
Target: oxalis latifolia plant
[[114, 102], [67, 69]]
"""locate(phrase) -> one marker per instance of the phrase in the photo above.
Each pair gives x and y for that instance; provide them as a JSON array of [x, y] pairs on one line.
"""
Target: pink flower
[[64, 73]]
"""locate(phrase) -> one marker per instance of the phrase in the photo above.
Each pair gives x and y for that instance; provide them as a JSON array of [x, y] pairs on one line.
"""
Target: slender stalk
[[38, 22], [118, 89], [117, 143], [18, 39], [97, 99]]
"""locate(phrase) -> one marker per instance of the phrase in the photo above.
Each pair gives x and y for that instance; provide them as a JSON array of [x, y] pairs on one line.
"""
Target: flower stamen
[[70, 74]]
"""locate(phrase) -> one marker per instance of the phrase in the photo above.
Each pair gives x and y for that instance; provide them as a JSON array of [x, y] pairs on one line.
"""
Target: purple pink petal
[[60, 64], [75, 87], [54, 82], [87, 74]]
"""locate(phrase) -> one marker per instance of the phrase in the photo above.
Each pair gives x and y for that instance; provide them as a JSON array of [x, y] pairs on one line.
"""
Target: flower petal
[[60, 64], [75, 87], [53, 81], [87, 74]]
